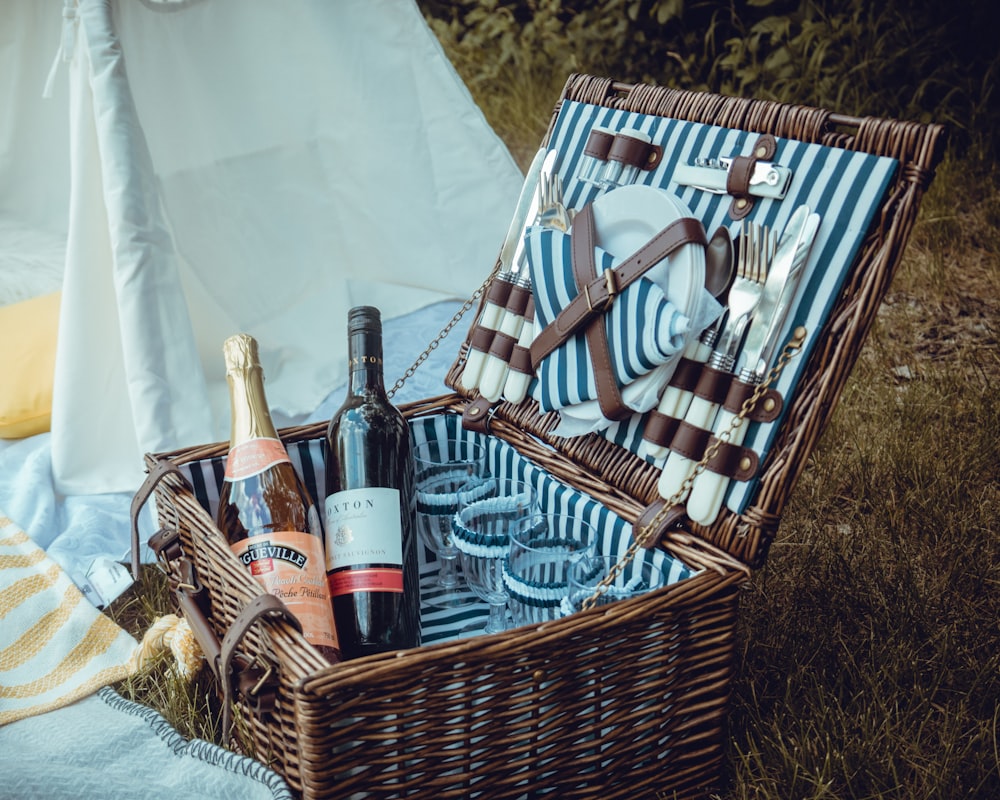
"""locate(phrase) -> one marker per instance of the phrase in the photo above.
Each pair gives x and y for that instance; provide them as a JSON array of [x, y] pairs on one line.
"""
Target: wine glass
[[544, 547], [482, 535], [597, 581], [445, 473]]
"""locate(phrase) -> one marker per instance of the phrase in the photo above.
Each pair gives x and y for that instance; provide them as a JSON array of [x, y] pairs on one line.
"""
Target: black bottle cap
[[364, 318]]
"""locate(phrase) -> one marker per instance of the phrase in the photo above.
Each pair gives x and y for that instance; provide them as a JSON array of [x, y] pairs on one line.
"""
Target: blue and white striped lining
[[644, 329], [846, 188], [441, 624]]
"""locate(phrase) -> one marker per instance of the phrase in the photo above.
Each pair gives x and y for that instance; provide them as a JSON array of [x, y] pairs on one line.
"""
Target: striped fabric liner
[[846, 188], [644, 329], [440, 624], [55, 647]]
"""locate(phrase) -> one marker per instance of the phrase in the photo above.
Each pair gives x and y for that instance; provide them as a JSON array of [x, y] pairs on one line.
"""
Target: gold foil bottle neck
[[240, 353]]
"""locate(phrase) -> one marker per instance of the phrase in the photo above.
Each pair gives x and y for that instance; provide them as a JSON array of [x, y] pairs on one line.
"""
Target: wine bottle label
[[253, 457], [289, 565], [364, 546]]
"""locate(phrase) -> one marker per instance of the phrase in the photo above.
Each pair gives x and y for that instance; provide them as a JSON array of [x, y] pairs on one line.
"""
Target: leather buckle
[[610, 286]]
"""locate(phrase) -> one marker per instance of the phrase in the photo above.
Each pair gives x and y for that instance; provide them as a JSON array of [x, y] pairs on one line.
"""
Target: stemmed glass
[[446, 473], [482, 535], [598, 580], [544, 547]]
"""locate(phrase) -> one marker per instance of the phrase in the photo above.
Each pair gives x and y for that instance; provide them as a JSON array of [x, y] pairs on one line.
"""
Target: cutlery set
[[702, 408]]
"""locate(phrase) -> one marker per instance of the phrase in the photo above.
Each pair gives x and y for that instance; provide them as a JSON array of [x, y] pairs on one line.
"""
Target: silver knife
[[527, 207], [779, 289], [709, 488]]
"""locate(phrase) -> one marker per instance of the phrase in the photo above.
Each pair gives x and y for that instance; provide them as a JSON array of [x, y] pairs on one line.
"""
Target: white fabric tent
[[233, 165]]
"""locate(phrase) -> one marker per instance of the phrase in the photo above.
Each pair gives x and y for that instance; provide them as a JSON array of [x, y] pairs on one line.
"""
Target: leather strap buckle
[[610, 288]]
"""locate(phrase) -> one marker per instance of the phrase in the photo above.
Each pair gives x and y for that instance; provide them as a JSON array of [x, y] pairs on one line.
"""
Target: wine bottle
[[371, 547], [265, 510]]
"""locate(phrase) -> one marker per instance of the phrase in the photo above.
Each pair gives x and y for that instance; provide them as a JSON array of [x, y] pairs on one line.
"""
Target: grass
[[869, 655]]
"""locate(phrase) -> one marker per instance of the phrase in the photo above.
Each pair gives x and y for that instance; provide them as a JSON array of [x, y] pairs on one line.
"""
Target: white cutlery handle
[[701, 413], [516, 387], [709, 488], [474, 360], [675, 401], [495, 368]]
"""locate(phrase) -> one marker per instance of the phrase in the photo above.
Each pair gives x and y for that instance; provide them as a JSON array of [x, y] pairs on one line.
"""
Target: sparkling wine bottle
[[371, 547], [265, 511]]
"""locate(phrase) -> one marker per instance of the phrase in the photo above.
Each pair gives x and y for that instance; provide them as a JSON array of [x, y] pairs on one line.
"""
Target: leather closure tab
[[652, 536], [738, 463], [767, 409], [476, 415], [740, 172]]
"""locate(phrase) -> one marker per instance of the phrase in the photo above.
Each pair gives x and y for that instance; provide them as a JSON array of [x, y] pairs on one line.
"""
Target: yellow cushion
[[27, 363]]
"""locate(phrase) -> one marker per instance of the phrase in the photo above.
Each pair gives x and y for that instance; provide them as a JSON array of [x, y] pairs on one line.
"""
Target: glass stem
[[498, 618], [448, 573]]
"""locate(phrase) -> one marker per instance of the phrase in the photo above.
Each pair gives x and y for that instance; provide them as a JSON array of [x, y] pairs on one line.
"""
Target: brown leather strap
[[596, 296], [609, 397], [635, 152], [518, 299], [599, 144], [740, 172], [768, 406], [520, 360], [713, 384], [481, 338], [503, 346], [476, 415], [660, 428], [160, 470], [499, 291], [739, 463], [256, 683], [652, 536], [686, 374]]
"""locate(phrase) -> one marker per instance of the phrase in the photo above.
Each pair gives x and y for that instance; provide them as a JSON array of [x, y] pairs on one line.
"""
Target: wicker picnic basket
[[628, 700]]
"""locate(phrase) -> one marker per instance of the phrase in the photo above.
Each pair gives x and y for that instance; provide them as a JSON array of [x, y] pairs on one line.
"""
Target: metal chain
[[443, 332], [639, 539]]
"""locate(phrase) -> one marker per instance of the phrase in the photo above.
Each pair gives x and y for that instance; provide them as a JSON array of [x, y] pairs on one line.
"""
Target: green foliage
[[911, 59]]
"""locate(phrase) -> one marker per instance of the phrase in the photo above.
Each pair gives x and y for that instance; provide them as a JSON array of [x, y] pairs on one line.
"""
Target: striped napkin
[[55, 647], [644, 329]]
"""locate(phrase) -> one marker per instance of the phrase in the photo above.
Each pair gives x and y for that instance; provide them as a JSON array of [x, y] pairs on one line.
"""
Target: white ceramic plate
[[626, 218]]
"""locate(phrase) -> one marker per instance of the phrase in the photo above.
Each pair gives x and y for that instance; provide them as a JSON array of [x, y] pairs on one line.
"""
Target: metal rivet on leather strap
[[761, 151], [769, 404], [741, 203], [745, 464]]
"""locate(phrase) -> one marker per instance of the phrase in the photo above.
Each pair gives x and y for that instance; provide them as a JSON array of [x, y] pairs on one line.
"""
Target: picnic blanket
[[64, 733]]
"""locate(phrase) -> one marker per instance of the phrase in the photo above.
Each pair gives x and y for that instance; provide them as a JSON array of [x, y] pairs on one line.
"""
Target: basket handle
[[254, 681], [160, 470]]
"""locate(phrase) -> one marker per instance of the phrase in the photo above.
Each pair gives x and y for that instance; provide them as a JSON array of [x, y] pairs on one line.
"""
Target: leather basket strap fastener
[[742, 170], [160, 470]]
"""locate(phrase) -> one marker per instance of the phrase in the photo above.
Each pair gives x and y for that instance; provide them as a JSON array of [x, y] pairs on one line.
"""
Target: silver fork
[[755, 247], [551, 211]]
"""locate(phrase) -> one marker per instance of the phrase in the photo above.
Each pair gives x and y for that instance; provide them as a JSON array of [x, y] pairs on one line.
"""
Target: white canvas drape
[[243, 165]]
